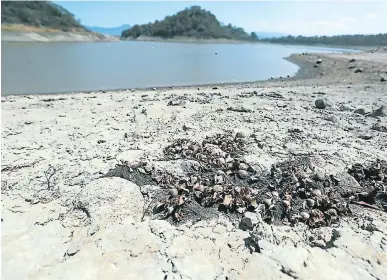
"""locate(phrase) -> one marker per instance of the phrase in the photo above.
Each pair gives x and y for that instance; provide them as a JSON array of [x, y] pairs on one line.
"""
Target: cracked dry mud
[[63, 218]]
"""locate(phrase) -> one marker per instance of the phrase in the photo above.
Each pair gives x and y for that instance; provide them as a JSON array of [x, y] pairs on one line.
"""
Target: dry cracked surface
[[62, 219]]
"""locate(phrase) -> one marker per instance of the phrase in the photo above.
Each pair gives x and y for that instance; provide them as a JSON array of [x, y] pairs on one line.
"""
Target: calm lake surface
[[68, 67]]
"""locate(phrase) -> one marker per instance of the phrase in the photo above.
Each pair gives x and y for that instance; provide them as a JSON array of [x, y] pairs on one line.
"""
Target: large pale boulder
[[108, 201]]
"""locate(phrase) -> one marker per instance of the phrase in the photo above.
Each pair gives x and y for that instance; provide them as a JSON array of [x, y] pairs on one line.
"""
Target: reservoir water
[[69, 67]]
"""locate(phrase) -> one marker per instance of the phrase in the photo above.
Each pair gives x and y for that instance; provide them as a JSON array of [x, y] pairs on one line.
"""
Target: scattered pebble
[[365, 136], [249, 220], [321, 103], [380, 126], [381, 112], [360, 111]]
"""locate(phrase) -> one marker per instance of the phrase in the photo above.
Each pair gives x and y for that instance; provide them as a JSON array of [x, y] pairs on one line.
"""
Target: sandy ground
[[80, 227]]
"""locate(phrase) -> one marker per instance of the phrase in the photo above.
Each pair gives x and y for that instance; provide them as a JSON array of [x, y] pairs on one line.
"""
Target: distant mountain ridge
[[113, 31]]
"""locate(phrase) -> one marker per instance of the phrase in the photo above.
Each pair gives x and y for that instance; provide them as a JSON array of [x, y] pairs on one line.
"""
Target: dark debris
[[293, 191]]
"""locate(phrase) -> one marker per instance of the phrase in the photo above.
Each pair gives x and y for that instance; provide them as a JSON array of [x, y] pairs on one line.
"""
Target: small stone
[[381, 112], [365, 136], [380, 126], [352, 60], [240, 109], [249, 220], [321, 103], [243, 174], [148, 168], [101, 141], [173, 192], [319, 176], [360, 111], [215, 88], [28, 122], [154, 88], [359, 70], [34, 201], [73, 249], [187, 127], [143, 111], [92, 230], [319, 61], [382, 79]]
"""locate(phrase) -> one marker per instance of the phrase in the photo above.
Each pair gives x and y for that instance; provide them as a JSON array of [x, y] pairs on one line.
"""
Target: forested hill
[[340, 40], [41, 14], [193, 22]]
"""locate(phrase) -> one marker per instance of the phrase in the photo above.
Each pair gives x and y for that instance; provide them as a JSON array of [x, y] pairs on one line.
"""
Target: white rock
[[110, 200]]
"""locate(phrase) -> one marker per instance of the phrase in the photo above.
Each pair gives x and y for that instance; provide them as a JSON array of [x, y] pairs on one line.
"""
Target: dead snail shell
[[304, 215], [243, 174]]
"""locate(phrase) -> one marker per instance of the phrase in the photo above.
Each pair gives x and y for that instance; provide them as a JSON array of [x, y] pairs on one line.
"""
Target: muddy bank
[[161, 183]]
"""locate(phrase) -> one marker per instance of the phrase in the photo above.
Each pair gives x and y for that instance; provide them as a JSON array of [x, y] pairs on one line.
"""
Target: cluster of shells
[[373, 182], [292, 191]]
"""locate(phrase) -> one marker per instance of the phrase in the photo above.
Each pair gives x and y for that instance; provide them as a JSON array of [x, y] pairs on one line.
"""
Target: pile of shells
[[302, 193], [291, 191], [373, 183]]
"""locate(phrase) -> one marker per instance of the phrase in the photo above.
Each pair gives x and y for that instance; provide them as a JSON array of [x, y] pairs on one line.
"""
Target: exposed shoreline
[[53, 36]]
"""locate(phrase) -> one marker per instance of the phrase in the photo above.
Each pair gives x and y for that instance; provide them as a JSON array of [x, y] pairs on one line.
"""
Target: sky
[[290, 17]]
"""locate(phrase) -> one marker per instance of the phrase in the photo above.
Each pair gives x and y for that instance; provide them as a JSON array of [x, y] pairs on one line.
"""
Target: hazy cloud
[[371, 16]]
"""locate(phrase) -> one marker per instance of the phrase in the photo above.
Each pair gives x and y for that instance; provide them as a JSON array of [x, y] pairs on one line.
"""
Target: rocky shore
[[283, 179]]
